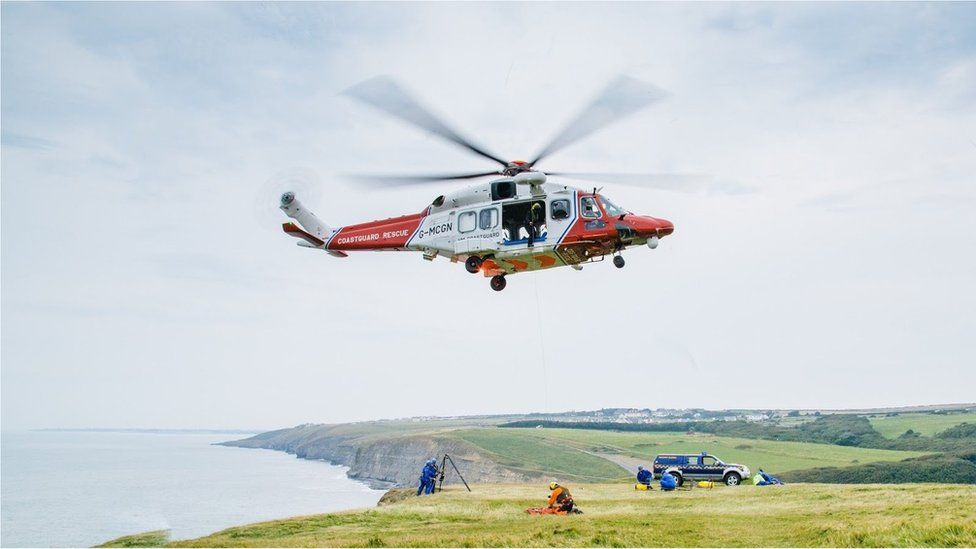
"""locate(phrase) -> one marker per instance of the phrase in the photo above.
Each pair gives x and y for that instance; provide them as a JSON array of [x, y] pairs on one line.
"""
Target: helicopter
[[519, 221]]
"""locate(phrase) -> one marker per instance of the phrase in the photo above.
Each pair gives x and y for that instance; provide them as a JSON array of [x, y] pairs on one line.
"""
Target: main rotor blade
[[383, 93], [405, 180], [624, 96], [687, 183]]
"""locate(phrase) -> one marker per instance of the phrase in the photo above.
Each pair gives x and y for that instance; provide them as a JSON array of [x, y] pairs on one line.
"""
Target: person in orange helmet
[[560, 500]]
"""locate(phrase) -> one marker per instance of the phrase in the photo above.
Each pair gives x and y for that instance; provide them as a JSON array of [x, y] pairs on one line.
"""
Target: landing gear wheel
[[472, 264], [618, 261], [498, 283], [732, 479]]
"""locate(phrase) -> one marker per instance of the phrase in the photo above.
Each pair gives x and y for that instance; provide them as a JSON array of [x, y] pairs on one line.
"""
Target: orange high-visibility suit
[[561, 500]]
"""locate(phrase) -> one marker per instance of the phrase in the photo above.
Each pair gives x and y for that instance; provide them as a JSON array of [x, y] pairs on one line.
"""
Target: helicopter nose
[[648, 226], [664, 227]]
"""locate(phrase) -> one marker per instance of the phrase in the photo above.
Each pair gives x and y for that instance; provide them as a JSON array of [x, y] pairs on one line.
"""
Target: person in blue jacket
[[428, 477], [433, 472], [668, 482], [765, 479], [644, 476]]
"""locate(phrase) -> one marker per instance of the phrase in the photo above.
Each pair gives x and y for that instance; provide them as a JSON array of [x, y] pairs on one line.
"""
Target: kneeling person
[[560, 500], [763, 478], [644, 476], [668, 482]]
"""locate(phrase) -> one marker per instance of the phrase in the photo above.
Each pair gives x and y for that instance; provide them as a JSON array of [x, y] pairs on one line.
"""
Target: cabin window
[[589, 207], [560, 208], [488, 219], [467, 222]]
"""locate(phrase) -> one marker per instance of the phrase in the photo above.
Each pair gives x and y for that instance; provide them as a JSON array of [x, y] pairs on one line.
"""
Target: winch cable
[[542, 354]]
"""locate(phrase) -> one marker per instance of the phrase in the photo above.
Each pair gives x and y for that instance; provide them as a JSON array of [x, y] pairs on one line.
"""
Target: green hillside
[[523, 450], [572, 450], [926, 424], [617, 516], [830, 448]]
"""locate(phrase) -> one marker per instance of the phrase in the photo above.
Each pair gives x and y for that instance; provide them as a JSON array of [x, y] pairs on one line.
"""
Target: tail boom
[[394, 233], [391, 234]]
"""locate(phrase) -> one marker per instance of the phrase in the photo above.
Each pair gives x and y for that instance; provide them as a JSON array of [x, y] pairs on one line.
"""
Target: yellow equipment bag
[[706, 484], [641, 487]]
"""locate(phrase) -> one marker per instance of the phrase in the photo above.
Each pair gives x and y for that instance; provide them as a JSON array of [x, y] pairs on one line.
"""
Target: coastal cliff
[[385, 456]]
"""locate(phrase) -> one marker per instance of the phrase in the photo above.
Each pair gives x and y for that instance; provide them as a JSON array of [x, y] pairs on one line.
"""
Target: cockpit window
[[589, 207], [611, 208]]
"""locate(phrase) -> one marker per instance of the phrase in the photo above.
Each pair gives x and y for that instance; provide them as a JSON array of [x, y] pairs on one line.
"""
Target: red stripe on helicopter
[[383, 234], [545, 261]]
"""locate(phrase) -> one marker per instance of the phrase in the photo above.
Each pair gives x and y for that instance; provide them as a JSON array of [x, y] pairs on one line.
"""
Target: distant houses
[[658, 415], [662, 415]]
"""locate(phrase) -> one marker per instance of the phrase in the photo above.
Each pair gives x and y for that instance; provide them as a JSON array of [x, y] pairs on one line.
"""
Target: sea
[[82, 488]]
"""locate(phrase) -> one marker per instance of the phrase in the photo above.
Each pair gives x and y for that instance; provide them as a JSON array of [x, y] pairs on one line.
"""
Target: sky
[[146, 283]]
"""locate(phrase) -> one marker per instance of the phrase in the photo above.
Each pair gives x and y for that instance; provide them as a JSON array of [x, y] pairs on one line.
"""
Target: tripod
[[440, 486]]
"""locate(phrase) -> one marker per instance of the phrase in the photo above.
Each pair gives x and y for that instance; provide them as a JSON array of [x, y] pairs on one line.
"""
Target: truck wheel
[[498, 283], [677, 479], [733, 479], [472, 264]]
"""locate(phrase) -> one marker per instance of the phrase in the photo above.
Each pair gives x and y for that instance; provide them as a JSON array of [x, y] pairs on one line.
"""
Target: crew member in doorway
[[532, 220]]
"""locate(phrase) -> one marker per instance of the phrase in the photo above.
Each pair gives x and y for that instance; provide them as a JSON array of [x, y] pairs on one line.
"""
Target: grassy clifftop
[[617, 516], [924, 424], [394, 452], [563, 451]]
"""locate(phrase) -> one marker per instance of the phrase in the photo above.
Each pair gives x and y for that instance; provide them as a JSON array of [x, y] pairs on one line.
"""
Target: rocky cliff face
[[387, 459]]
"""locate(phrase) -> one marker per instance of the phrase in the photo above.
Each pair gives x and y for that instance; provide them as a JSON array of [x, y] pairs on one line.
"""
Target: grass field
[[926, 424], [553, 450], [522, 450], [798, 515]]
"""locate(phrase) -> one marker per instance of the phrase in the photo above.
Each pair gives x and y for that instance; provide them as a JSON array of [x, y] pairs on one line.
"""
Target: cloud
[[26, 142], [137, 139]]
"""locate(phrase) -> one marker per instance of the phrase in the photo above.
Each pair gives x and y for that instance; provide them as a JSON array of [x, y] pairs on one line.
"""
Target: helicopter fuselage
[[508, 225]]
